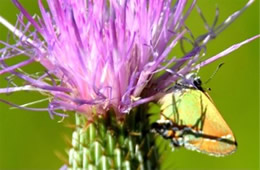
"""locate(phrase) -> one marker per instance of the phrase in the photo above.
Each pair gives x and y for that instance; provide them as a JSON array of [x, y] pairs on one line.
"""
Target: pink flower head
[[104, 55]]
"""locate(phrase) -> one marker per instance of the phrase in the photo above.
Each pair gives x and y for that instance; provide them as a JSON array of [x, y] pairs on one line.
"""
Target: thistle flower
[[104, 56]]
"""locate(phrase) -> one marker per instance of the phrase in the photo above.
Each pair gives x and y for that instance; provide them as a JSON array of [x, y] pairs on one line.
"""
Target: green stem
[[108, 143]]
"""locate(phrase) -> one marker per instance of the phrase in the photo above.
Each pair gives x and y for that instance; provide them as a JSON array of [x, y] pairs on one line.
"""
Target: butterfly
[[189, 118]]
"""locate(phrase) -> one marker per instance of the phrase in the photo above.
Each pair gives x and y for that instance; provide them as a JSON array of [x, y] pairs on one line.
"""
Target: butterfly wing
[[193, 108], [215, 136]]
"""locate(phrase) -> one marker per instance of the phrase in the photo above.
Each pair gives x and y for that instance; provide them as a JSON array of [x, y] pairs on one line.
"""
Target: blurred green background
[[30, 140]]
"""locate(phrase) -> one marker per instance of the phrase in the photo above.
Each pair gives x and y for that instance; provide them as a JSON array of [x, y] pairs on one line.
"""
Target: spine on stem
[[108, 143]]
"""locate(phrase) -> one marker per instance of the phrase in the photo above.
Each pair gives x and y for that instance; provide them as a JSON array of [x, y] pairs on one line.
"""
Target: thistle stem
[[107, 143]]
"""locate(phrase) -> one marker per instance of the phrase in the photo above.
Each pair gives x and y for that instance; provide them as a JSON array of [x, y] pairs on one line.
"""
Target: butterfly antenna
[[215, 72]]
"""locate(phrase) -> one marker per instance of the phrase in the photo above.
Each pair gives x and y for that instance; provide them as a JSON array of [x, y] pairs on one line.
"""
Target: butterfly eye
[[197, 82]]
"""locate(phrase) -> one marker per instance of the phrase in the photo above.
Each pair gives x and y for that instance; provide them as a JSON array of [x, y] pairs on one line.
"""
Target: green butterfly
[[190, 118]]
